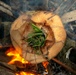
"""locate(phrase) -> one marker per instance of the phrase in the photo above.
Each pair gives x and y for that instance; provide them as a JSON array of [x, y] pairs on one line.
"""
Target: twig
[[5, 46], [6, 11], [5, 65], [49, 70], [63, 65], [5, 5]]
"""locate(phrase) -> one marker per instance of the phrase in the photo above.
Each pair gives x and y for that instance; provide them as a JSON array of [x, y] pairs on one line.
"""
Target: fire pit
[[54, 43], [52, 28], [38, 59]]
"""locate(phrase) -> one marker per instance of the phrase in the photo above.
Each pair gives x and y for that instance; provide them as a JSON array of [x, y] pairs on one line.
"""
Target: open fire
[[24, 73], [21, 62]]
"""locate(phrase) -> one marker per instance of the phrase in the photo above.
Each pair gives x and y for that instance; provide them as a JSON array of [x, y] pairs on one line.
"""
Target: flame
[[45, 64], [17, 57], [24, 73]]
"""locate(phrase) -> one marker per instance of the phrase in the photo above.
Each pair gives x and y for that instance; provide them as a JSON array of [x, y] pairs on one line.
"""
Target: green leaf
[[34, 34], [36, 29], [37, 38]]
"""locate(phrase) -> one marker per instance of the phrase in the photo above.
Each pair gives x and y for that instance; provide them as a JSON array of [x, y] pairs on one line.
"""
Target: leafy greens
[[37, 38]]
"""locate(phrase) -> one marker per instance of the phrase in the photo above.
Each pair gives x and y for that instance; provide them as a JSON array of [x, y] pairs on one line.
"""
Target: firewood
[[65, 66], [7, 46], [5, 5], [6, 11], [11, 68], [49, 70]]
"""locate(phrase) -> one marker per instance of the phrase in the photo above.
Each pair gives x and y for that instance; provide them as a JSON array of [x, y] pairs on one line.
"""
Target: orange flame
[[17, 57], [24, 73], [45, 64]]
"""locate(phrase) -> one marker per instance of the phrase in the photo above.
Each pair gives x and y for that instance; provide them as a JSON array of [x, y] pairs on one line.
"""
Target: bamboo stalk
[[63, 65]]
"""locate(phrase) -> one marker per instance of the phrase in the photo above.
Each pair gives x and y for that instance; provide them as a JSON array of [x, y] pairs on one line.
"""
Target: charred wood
[[65, 66]]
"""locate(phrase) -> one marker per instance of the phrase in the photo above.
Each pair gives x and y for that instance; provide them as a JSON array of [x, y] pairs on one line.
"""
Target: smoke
[[71, 30], [21, 6]]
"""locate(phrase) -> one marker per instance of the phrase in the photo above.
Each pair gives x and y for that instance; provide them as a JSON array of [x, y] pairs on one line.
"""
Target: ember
[[24, 73], [45, 64]]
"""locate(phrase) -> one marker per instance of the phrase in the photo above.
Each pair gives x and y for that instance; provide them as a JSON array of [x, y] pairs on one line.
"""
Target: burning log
[[25, 67], [31, 68]]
